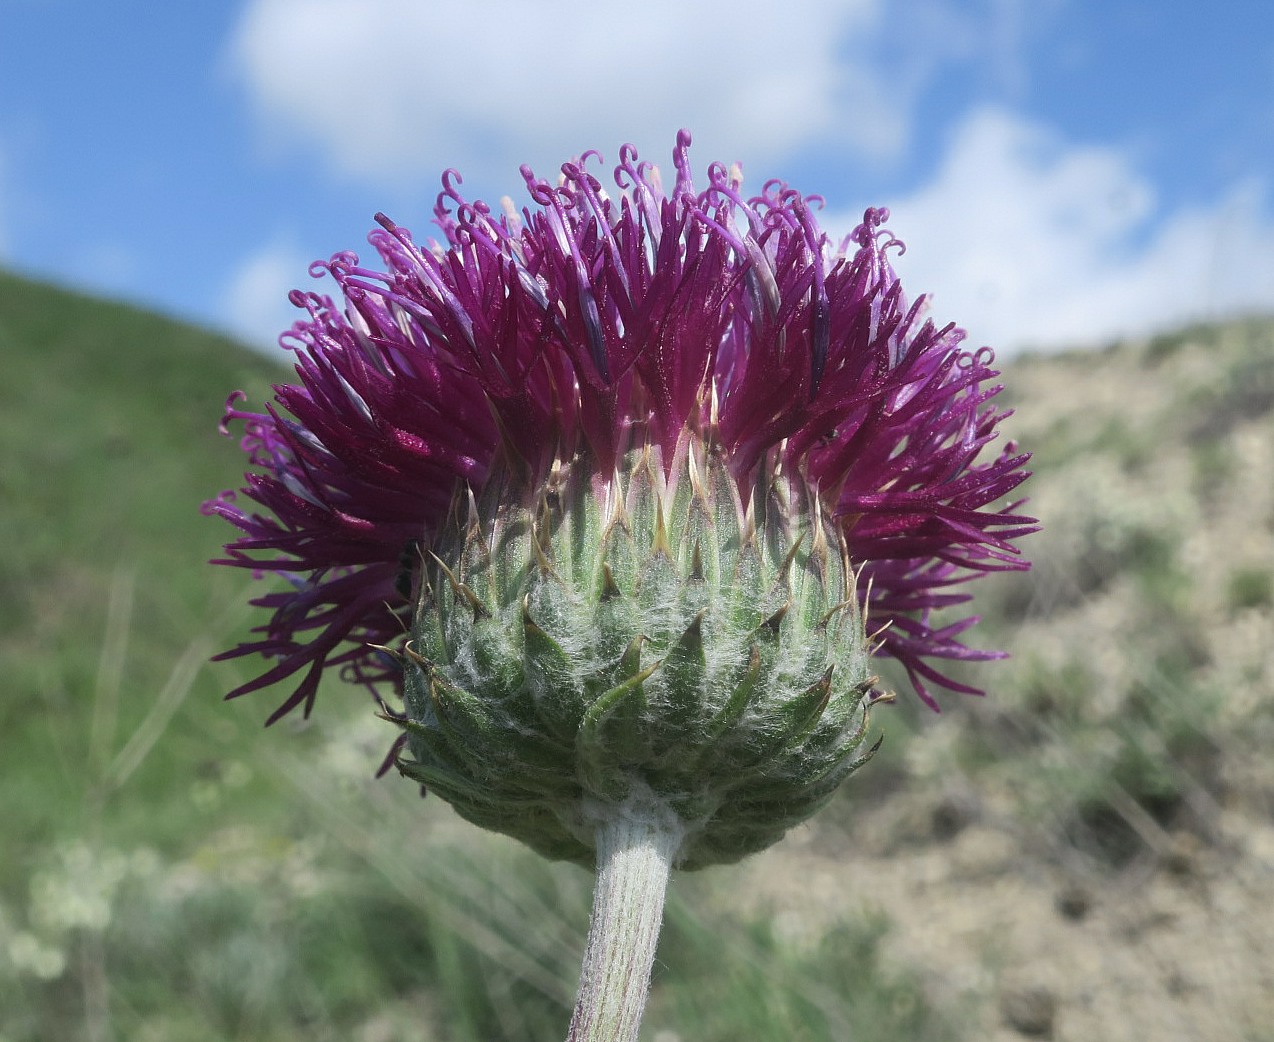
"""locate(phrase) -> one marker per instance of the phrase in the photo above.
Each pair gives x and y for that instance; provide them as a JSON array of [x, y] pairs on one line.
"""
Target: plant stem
[[635, 850]]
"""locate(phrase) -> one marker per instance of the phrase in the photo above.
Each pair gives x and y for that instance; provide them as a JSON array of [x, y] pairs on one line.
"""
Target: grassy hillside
[[1088, 852], [168, 870], [108, 437]]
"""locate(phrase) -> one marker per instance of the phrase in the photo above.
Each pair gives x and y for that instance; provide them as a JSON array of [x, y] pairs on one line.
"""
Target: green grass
[[827, 988], [108, 429]]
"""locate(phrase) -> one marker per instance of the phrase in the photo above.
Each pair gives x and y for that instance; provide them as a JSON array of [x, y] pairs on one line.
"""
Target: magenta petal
[[590, 324]]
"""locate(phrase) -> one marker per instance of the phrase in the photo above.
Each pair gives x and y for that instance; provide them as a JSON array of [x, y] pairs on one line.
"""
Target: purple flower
[[588, 324]]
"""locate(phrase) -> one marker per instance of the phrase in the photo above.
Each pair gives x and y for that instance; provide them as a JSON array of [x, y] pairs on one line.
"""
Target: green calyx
[[603, 640]]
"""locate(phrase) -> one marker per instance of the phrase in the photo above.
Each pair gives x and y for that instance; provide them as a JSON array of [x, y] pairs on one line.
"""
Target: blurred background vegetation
[[1086, 853]]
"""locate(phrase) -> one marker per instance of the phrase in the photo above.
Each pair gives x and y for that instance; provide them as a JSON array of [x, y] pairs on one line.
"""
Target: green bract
[[624, 637]]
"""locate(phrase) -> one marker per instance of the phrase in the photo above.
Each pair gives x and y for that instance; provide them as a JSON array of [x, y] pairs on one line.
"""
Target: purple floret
[[584, 326]]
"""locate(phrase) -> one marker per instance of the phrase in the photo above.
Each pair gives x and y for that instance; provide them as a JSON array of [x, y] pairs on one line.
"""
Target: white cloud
[[397, 89], [1030, 240], [255, 299]]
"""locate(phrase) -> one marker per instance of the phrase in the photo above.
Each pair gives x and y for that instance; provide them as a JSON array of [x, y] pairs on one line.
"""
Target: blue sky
[[1063, 171]]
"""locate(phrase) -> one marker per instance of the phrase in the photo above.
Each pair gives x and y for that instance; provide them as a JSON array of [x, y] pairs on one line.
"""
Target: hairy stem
[[635, 851]]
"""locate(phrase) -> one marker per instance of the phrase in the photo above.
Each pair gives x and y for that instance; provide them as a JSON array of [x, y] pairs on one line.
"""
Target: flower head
[[603, 361]]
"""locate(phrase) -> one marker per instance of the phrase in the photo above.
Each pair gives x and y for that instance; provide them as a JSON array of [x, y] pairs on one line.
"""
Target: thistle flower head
[[627, 469]]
